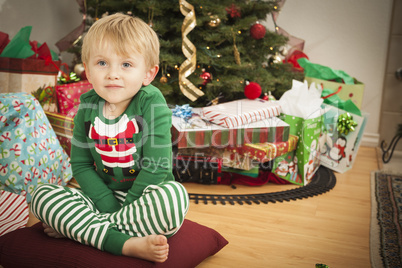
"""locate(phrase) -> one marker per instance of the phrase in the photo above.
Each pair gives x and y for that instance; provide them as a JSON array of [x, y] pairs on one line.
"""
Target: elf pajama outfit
[[124, 169]]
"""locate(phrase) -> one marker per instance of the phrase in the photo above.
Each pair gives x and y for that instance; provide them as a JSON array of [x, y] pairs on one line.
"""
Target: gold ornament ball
[[163, 80], [214, 22], [79, 69]]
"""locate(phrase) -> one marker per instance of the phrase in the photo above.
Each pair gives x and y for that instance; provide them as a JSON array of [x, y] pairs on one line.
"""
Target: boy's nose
[[113, 74]]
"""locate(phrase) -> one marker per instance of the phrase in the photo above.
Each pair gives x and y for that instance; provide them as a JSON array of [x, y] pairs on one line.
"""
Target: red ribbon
[[49, 60], [332, 94]]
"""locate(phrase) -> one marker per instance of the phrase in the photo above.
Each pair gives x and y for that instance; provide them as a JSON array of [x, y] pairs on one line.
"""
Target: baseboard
[[370, 140]]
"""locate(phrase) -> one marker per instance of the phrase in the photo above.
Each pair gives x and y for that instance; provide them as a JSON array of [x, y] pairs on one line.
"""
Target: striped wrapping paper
[[14, 212], [241, 112], [198, 134]]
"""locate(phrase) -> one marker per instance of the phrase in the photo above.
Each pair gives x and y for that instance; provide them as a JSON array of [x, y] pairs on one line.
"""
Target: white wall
[[346, 35], [342, 34]]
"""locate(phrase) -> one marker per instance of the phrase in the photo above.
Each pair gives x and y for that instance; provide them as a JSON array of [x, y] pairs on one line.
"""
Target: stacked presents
[[235, 137], [289, 138]]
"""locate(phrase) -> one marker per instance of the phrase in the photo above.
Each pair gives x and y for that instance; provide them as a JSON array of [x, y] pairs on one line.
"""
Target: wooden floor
[[332, 228]]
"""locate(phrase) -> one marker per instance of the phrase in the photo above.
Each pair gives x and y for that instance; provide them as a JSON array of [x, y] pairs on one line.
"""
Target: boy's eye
[[126, 65], [102, 63]]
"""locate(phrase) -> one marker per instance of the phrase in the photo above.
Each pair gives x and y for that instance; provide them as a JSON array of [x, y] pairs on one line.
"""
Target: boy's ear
[[87, 74], [150, 75]]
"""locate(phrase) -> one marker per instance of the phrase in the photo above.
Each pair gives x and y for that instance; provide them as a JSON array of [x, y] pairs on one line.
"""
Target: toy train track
[[323, 181]]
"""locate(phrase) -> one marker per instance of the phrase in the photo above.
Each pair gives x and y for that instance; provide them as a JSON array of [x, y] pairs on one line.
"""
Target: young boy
[[121, 153]]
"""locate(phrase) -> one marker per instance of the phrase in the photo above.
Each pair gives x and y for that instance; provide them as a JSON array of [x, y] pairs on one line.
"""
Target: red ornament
[[233, 11], [206, 76], [252, 90], [257, 31]]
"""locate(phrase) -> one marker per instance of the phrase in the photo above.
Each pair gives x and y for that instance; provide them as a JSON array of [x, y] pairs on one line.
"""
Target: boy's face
[[117, 78]]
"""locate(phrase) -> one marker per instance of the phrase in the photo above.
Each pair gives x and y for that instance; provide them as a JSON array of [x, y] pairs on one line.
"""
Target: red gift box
[[68, 96]]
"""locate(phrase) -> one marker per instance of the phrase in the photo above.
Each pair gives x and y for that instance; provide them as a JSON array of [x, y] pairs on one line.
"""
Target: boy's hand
[[50, 232]]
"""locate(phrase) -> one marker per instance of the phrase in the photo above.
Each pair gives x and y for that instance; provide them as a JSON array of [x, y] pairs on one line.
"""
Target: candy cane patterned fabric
[[14, 212], [30, 153]]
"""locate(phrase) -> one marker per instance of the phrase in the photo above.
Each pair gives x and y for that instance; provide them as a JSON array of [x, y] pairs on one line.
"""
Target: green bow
[[346, 123], [73, 78]]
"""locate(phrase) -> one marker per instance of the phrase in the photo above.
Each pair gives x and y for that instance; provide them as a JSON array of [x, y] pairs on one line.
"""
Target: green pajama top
[[127, 153]]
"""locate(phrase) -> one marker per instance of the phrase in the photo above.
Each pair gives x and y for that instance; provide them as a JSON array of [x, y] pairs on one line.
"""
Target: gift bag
[[301, 109], [342, 131], [332, 79], [25, 66], [300, 165]]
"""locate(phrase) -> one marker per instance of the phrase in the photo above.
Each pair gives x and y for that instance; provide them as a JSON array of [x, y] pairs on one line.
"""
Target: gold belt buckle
[[112, 141]]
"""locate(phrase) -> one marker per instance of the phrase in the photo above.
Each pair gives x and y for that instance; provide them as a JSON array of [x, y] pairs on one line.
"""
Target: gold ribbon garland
[[189, 51]]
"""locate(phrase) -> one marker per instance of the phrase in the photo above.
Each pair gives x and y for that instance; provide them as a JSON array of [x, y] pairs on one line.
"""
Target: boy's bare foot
[[152, 248], [50, 231]]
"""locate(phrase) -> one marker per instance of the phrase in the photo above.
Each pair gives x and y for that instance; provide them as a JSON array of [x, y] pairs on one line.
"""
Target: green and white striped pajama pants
[[160, 210]]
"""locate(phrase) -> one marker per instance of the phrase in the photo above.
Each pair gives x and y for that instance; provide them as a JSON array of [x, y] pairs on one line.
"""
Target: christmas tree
[[210, 49]]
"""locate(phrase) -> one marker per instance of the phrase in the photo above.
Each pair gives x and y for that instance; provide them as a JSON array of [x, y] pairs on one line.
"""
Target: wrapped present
[[241, 112], [47, 98], [25, 66], [249, 156], [208, 151], [197, 133], [332, 79], [63, 127], [267, 151], [301, 108], [68, 96], [341, 136], [30, 153], [231, 158], [195, 168]]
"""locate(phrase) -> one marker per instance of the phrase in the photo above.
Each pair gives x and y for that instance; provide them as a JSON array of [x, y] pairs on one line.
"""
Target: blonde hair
[[126, 34]]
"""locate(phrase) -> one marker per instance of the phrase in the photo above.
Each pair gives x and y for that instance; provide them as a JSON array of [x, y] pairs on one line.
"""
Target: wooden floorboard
[[332, 228]]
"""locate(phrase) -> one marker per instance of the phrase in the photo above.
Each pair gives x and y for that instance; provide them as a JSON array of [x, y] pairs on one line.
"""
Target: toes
[[161, 258], [161, 240]]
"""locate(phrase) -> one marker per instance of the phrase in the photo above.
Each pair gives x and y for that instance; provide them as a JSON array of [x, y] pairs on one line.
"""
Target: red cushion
[[31, 247]]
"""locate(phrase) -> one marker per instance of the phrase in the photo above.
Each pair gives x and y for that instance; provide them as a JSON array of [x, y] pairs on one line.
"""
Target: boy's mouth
[[113, 86]]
